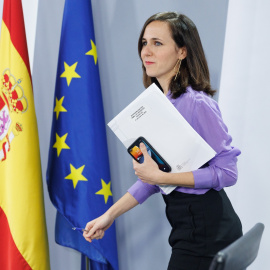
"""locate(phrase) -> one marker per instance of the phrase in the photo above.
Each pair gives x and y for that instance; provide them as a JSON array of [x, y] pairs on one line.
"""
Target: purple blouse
[[203, 114]]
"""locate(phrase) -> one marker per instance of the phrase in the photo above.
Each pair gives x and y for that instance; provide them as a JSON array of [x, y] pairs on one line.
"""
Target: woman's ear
[[182, 53]]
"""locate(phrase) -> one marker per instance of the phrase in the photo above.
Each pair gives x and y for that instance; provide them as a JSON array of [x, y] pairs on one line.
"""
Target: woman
[[202, 218]]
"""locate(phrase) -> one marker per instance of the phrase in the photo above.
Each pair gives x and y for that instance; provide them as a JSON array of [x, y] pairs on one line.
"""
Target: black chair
[[240, 253]]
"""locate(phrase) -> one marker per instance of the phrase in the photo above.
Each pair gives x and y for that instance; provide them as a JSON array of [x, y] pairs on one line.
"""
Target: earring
[[178, 71]]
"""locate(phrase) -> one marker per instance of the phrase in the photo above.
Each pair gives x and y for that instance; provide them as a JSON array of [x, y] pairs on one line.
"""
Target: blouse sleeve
[[141, 191], [221, 170]]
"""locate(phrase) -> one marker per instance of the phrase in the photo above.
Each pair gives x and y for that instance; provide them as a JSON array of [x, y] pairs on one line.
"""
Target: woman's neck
[[164, 85]]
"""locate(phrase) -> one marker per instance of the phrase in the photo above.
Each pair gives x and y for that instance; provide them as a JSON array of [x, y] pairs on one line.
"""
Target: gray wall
[[243, 91], [143, 232]]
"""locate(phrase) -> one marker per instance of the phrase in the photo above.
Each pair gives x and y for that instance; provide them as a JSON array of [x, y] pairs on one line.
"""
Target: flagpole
[[87, 263]]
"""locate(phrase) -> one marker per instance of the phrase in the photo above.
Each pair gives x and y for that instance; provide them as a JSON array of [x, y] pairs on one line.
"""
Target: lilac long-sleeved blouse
[[203, 114]]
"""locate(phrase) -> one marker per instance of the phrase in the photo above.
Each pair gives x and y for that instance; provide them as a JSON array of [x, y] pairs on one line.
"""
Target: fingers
[[145, 154], [144, 149], [137, 165], [95, 229], [88, 235], [89, 230], [91, 235], [89, 226], [98, 234]]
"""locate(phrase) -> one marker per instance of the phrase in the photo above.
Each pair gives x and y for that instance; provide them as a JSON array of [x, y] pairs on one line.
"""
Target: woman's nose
[[146, 50]]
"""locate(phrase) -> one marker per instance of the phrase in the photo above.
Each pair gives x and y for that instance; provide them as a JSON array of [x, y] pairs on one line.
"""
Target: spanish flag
[[23, 235]]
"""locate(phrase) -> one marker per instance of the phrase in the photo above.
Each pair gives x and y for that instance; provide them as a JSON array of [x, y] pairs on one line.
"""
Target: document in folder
[[152, 116]]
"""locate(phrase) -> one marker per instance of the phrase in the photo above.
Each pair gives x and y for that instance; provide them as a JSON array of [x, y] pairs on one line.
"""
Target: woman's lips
[[149, 63]]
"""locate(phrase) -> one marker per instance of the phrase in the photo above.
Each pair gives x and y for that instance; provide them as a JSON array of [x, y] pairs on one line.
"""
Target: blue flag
[[78, 174]]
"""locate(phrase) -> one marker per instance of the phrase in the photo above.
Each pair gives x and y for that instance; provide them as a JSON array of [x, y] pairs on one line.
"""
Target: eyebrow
[[152, 39]]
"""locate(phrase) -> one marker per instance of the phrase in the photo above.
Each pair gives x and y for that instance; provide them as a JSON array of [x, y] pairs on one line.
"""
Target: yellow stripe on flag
[[21, 190]]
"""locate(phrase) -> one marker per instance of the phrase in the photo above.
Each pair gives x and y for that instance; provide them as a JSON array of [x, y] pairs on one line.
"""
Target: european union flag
[[78, 175]]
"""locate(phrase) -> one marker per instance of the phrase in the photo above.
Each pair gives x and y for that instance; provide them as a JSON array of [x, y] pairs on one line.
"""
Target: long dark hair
[[194, 69]]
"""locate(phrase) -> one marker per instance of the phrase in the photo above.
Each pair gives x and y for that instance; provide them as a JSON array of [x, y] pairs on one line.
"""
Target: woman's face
[[159, 52]]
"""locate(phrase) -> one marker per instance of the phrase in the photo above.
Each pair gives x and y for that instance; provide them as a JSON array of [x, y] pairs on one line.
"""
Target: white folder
[[152, 116]]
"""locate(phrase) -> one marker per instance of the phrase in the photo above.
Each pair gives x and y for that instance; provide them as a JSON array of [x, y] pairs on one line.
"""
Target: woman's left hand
[[148, 171]]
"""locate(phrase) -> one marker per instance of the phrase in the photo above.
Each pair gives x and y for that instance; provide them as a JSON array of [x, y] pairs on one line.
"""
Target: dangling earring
[[178, 71]]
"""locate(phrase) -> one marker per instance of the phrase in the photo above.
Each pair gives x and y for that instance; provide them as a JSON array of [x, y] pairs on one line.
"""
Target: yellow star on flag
[[76, 175], [60, 143], [58, 107], [70, 72], [93, 51], [105, 191]]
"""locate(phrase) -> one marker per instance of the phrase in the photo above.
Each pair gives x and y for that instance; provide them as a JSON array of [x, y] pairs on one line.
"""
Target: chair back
[[241, 253]]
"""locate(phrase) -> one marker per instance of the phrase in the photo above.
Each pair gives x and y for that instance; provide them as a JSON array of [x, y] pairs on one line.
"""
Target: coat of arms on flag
[[12, 100]]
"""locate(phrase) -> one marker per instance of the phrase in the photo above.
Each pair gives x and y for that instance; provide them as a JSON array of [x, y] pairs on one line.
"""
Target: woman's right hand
[[96, 228]]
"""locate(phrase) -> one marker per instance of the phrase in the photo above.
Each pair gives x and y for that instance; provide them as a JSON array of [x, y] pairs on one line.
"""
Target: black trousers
[[202, 225]]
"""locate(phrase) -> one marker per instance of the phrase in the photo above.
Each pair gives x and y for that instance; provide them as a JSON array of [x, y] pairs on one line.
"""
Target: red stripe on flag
[[10, 256], [13, 18]]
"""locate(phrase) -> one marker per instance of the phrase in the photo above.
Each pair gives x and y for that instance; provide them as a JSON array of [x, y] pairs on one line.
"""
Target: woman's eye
[[158, 43], [144, 43]]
